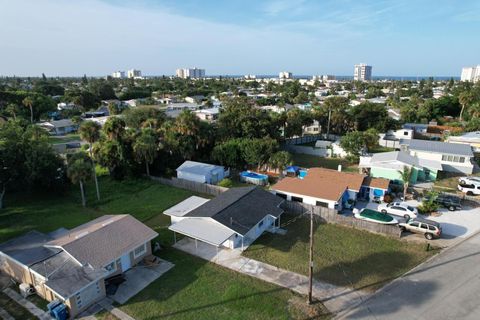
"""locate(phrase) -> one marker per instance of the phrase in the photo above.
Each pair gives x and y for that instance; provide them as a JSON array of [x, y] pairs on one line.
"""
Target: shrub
[[226, 183], [429, 206]]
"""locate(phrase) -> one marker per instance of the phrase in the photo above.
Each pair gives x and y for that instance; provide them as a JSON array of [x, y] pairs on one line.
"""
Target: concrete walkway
[[33, 309], [107, 305], [336, 299], [5, 315], [137, 278]]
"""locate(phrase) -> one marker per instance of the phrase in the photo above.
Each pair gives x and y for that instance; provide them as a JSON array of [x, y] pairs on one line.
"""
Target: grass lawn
[[309, 161], [64, 139], [378, 149], [14, 309], [193, 289], [343, 256]]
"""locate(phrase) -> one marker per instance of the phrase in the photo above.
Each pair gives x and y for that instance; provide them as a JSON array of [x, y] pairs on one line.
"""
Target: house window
[[139, 251], [260, 224], [444, 157], [321, 204], [462, 159], [281, 195], [111, 267], [297, 199]]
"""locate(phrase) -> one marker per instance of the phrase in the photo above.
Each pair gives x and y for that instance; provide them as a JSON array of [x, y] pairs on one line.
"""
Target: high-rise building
[[285, 75], [362, 72], [193, 73], [133, 73], [471, 74], [118, 74]]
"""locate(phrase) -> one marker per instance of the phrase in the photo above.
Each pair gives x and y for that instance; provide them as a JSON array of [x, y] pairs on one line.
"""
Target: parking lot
[[455, 224]]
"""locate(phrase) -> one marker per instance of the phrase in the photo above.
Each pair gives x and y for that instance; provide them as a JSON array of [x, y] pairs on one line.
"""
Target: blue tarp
[[292, 168], [377, 192]]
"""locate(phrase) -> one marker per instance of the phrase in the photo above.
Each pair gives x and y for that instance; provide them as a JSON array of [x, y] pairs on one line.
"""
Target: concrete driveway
[[455, 224]]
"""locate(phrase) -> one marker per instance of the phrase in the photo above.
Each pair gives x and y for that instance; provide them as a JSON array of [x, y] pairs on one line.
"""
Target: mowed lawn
[[309, 161], [193, 289], [343, 256]]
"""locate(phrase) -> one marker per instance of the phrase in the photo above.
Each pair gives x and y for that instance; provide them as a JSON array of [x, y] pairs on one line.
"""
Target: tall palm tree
[[114, 128], [465, 98], [79, 171], [405, 175], [145, 148], [90, 132], [474, 110], [28, 102]]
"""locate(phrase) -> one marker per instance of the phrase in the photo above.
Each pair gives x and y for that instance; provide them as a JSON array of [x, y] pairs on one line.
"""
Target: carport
[[205, 230]]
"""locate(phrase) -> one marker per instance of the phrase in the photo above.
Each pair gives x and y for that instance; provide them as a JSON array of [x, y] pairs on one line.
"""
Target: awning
[[203, 229], [184, 207]]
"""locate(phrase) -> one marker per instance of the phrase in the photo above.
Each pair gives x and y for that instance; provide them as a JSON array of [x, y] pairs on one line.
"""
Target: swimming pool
[[253, 177]]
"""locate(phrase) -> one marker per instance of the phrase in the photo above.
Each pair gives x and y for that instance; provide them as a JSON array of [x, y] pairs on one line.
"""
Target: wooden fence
[[331, 216], [191, 185]]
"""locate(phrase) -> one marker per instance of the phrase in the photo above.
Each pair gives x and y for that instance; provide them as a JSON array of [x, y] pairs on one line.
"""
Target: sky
[[236, 37]]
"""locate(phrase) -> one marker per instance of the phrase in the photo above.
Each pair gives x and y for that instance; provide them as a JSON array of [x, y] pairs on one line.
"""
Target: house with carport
[[234, 219], [71, 265]]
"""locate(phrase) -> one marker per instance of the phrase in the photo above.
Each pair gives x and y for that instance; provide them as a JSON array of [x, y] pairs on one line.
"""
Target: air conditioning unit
[[26, 290]]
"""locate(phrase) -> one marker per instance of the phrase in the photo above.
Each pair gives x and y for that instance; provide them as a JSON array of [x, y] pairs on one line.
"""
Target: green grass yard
[[14, 309], [193, 289], [343, 256], [309, 161]]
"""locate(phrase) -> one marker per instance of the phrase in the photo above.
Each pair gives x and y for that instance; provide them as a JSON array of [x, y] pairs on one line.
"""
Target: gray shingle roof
[[104, 239], [28, 249], [441, 147], [240, 209]]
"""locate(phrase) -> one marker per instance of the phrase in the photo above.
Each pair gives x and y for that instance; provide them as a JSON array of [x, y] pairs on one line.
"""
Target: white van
[[469, 189]]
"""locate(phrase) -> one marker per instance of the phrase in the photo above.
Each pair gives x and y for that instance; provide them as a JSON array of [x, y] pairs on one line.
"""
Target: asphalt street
[[446, 287]]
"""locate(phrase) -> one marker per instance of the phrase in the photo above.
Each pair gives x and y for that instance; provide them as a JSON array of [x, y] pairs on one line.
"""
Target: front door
[[126, 262]]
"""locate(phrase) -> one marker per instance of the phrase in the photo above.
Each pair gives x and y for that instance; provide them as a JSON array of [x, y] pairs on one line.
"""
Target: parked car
[[452, 203], [430, 229], [399, 209], [469, 180], [469, 189]]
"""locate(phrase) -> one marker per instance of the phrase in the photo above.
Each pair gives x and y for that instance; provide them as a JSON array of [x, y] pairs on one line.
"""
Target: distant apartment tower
[[118, 74], [471, 74], [193, 73], [362, 72], [285, 75], [133, 73]]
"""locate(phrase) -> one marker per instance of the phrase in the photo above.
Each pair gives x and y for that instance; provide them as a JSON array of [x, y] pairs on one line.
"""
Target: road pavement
[[445, 287]]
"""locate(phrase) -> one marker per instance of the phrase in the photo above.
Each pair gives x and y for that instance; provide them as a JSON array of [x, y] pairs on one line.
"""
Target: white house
[[202, 172], [59, 127], [210, 114], [234, 219], [454, 157], [470, 138]]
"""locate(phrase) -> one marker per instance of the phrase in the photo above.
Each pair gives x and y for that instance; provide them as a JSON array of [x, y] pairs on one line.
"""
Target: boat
[[375, 216]]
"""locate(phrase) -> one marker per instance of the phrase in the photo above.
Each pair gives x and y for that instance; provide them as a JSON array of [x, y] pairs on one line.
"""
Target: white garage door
[[88, 295]]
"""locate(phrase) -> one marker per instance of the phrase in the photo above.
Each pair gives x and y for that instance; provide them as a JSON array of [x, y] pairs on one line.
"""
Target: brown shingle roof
[[104, 239], [379, 183], [321, 183]]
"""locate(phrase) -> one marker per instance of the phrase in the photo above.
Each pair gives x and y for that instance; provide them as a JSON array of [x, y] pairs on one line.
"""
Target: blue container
[[60, 312], [52, 305]]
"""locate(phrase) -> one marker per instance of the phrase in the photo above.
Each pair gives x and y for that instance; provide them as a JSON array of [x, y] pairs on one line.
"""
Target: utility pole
[[310, 262], [328, 125]]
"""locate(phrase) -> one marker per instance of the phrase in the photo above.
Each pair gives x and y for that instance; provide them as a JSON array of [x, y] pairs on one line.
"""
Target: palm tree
[[114, 128], [465, 98], [145, 148], [79, 170], [90, 132], [474, 110], [279, 160], [405, 175], [28, 102]]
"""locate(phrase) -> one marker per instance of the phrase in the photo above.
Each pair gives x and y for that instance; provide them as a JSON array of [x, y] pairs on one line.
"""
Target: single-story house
[[454, 157], [329, 188], [59, 127], [234, 219], [71, 265], [202, 172], [389, 165], [210, 114], [469, 138]]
